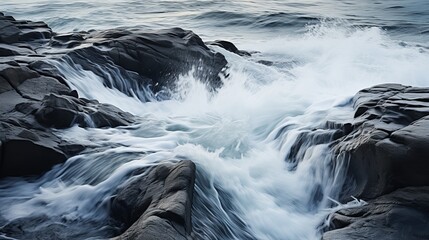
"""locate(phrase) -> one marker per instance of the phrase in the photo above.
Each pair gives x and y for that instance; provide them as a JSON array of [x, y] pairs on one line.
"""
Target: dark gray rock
[[387, 153], [27, 148], [46, 69], [35, 97], [4, 85], [402, 214], [10, 50], [158, 57], [13, 31], [27, 151], [229, 46], [65, 111], [16, 75], [386, 148], [158, 204], [9, 99], [9, 32], [131, 61], [44, 227], [37, 88]]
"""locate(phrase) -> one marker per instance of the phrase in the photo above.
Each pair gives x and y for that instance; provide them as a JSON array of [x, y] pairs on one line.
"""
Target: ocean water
[[261, 143]]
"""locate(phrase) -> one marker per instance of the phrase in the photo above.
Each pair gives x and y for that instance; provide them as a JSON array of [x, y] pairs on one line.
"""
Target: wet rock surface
[[387, 152], [16, 31], [154, 204], [27, 147], [35, 96], [31, 104], [229, 46], [62, 111], [36, 101], [39, 227], [157, 205], [148, 59], [386, 145], [402, 214]]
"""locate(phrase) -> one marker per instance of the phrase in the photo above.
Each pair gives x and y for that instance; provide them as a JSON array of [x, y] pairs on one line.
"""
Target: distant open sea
[[234, 20]]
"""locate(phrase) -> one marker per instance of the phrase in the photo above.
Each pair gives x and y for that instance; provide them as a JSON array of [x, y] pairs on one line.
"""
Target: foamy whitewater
[[257, 176]]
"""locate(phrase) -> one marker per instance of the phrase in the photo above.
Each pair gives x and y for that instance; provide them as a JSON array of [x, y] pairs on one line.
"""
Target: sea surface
[[258, 175]]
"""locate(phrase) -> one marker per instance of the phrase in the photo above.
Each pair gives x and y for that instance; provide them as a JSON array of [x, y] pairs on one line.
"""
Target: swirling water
[[261, 143]]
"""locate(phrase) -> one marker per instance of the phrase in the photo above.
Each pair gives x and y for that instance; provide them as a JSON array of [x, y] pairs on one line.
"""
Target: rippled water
[[261, 143], [233, 20]]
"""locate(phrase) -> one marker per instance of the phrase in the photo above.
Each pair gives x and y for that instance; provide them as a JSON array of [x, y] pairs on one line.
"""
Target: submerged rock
[[44, 227], [157, 205]]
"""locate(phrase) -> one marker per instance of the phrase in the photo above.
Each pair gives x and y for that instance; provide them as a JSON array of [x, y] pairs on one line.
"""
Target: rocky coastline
[[386, 146]]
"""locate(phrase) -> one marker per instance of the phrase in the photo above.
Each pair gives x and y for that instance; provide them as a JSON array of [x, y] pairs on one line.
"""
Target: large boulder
[[402, 214], [27, 147], [386, 151], [157, 205], [386, 146], [158, 57]]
